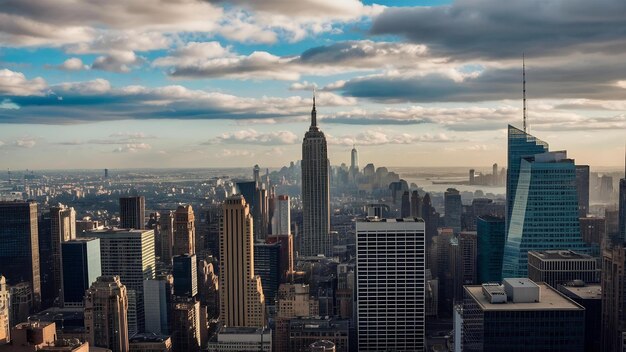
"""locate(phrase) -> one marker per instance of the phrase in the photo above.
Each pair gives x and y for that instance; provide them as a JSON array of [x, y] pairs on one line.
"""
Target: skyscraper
[[453, 209], [268, 266], [405, 205], [613, 297], [5, 326], [185, 272], [62, 229], [81, 267], [416, 205], [241, 295], [491, 238], [315, 191], [281, 221], [156, 302], [184, 230], [544, 212], [186, 330], [132, 212], [354, 159], [390, 269], [167, 236], [582, 188], [19, 252], [106, 305], [622, 207]]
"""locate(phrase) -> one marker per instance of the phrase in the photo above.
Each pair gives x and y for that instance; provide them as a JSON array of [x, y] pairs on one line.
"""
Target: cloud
[[235, 153], [26, 142], [303, 86], [132, 148], [376, 137], [71, 64], [497, 29], [15, 84], [250, 136], [121, 62]]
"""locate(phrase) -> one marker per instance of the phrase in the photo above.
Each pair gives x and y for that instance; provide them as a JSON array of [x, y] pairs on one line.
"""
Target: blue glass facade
[[267, 266], [81, 267], [491, 238], [544, 212]]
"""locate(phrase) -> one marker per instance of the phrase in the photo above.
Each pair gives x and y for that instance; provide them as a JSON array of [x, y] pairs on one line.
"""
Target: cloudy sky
[[212, 83]]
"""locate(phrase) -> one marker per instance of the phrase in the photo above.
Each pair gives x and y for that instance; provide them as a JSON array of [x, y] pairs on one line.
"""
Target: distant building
[[242, 339], [380, 211], [150, 343], [19, 258], [281, 221], [293, 301], [590, 297], [267, 265], [286, 253], [208, 288], [416, 205], [622, 209], [593, 231], [81, 267], [463, 262], [106, 306], [453, 209], [582, 189], [185, 272], [521, 315], [556, 267], [184, 231], [305, 331], [5, 325], [491, 238], [133, 212], [166, 221], [21, 303], [390, 255], [405, 206]]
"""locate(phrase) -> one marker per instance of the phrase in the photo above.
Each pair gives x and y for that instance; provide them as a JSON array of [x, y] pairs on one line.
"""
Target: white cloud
[[26, 142], [132, 148], [234, 153], [15, 84], [378, 137], [72, 64], [303, 86], [117, 61], [250, 136]]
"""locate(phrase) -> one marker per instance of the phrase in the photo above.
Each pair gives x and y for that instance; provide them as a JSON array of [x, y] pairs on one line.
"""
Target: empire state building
[[315, 191]]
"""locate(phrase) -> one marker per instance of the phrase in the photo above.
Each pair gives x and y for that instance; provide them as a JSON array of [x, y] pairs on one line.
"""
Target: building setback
[[559, 267]]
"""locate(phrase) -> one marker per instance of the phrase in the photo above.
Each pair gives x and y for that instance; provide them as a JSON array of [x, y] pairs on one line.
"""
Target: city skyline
[[228, 84]]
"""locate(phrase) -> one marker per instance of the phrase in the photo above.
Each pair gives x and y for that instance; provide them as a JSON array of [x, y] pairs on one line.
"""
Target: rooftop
[[582, 292], [549, 299], [559, 255], [243, 330], [148, 337], [377, 219], [115, 231]]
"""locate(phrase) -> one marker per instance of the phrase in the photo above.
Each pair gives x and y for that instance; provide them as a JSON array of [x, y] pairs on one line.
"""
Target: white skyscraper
[[282, 217], [390, 284]]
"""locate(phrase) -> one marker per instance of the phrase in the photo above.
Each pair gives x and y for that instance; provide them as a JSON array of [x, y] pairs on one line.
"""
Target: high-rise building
[[491, 238], [281, 221], [582, 189], [315, 191], [613, 297], [128, 254], [208, 288], [133, 212], [184, 230], [305, 331], [405, 205], [464, 262], [21, 301], [286, 253], [590, 297], [556, 267], [622, 208], [267, 265], [416, 205], [166, 221], [156, 302], [5, 326], [593, 230], [391, 283], [242, 339], [81, 267], [545, 211], [293, 300], [106, 306], [453, 209], [185, 272], [241, 295], [186, 325], [19, 253], [354, 159], [520, 316]]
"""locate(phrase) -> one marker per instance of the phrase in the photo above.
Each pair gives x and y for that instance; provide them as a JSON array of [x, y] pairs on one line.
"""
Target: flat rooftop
[[114, 231], [377, 219], [583, 292], [549, 299], [560, 255]]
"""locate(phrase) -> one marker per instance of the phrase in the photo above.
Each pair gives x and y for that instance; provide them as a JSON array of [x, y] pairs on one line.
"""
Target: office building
[[463, 262], [286, 253], [390, 255], [453, 209], [242, 339], [40, 336], [590, 297], [21, 303], [150, 342], [241, 295], [186, 326], [491, 238], [184, 231], [267, 266], [593, 231], [556, 267], [185, 272], [129, 254], [5, 325], [315, 191], [305, 331], [380, 211], [622, 209], [166, 222], [82, 266], [545, 213], [354, 159], [405, 205], [521, 315], [156, 298], [133, 212], [106, 306], [208, 288], [281, 221], [582, 189], [293, 301], [613, 297], [19, 253], [416, 205]]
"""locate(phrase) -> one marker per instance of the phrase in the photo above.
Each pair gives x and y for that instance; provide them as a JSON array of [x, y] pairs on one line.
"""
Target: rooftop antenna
[[524, 87]]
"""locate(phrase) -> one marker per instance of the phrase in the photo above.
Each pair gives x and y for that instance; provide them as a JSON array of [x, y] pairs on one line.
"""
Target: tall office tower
[[560, 267], [472, 176], [590, 297], [431, 218], [241, 295], [154, 223], [185, 272], [106, 304], [545, 211], [520, 316], [520, 144], [260, 214], [184, 230], [281, 221], [166, 222], [286, 253], [19, 257], [256, 175], [354, 159], [106, 173], [5, 326], [62, 229], [208, 288], [213, 214], [416, 205], [613, 297], [582, 189], [491, 238], [156, 302], [132, 212], [390, 280], [268, 266], [606, 187], [81, 267], [315, 191], [593, 231], [464, 262], [494, 174], [405, 205], [622, 208], [129, 254], [186, 326], [453, 209]]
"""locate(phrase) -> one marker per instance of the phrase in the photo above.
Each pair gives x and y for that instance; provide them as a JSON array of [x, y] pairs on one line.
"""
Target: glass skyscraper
[[543, 210], [81, 267]]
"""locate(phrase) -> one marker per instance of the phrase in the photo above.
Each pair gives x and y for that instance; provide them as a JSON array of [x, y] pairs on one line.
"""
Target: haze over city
[[229, 83]]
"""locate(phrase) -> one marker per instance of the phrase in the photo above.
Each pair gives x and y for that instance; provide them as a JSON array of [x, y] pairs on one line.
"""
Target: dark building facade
[[582, 188], [132, 212], [81, 267], [185, 272], [491, 238], [267, 264]]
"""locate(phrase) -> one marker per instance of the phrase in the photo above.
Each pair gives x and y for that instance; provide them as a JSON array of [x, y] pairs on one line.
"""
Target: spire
[[524, 87], [313, 113]]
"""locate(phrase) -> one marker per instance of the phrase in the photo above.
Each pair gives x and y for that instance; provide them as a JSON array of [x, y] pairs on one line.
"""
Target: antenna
[[524, 87]]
